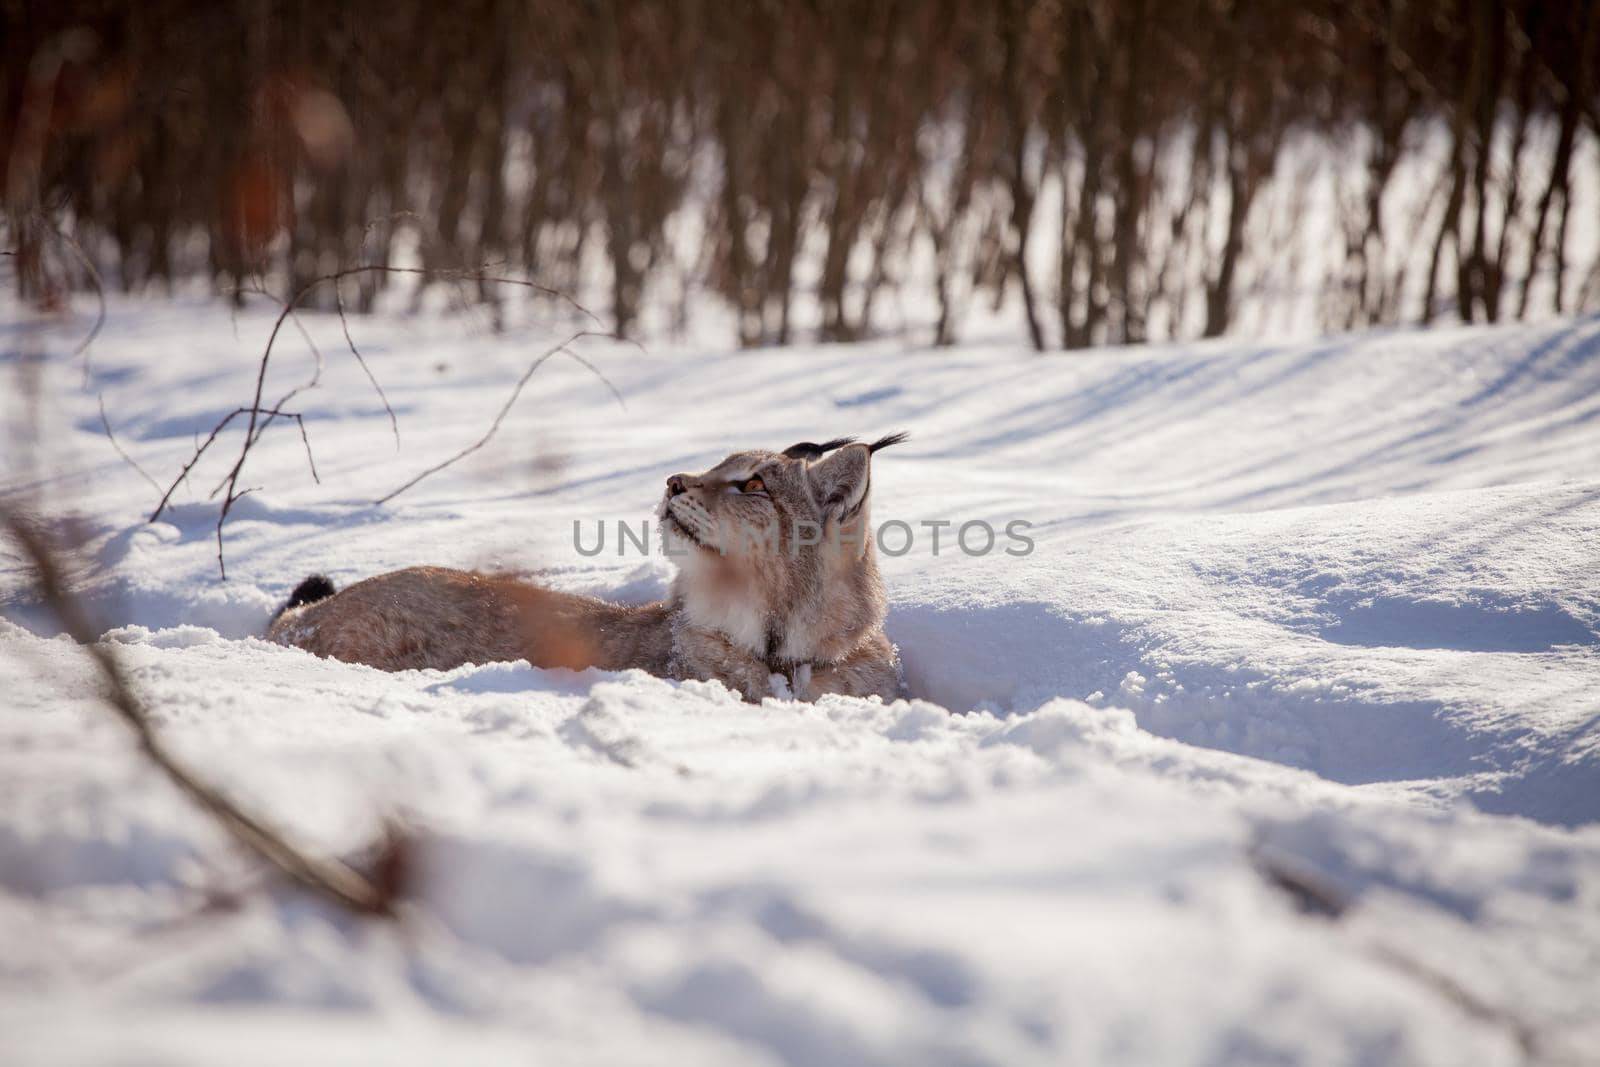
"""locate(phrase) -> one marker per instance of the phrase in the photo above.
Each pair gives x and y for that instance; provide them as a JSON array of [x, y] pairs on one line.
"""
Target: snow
[[1331, 605]]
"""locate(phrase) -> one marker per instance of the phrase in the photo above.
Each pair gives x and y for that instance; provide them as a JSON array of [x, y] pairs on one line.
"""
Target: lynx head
[[775, 549]]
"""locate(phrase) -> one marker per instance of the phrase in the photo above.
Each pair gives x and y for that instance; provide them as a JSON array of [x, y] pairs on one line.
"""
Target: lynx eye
[[753, 485]]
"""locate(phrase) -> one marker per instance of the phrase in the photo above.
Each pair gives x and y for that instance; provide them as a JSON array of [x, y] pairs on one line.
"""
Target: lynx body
[[777, 593]]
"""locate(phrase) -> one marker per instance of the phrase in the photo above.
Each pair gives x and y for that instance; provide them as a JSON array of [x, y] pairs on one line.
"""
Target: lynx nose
[[675, 485]]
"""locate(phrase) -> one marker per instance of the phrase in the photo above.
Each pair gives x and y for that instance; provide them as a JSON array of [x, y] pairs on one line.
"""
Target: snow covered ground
[[1331, 608]]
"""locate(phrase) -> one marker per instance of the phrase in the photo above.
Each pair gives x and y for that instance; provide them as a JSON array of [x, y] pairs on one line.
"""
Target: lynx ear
[[812, 450], [891, 439], [842, 481]]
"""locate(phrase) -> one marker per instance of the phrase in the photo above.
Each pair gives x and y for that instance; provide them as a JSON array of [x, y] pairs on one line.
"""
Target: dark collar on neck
[[780, 665]]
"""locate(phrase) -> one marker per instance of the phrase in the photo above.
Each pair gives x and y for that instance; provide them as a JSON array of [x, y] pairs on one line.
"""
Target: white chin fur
[[738, 618]]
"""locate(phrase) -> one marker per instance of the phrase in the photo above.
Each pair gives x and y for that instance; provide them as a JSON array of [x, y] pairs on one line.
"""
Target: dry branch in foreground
[[328, 878], [1316, 894]]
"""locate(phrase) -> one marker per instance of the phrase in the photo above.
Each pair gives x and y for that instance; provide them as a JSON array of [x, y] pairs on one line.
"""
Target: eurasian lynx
[[777, 593]]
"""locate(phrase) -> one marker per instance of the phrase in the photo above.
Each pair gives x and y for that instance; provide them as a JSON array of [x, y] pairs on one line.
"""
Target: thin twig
[[584, 361], [310, 459], [316, 377], [222, 517], [326, 877], [511, 402], [199, 451], [373, 223], [82, 348], [449, 273], [72, 245], [316, 374], [229, 484], [305, 335], [344, 323], [105, 422]]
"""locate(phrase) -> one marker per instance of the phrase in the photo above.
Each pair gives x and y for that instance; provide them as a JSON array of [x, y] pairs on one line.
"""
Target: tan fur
[[754, 605], [440, 618]]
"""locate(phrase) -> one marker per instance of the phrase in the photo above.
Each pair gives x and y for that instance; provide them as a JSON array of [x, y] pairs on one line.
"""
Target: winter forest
[[1127, 170]]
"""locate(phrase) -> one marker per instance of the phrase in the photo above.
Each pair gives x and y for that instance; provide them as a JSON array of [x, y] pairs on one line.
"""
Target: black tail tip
[[315, 588]]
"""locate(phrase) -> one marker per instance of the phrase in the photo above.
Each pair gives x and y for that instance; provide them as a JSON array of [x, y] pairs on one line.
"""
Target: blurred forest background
[[1101, 167]]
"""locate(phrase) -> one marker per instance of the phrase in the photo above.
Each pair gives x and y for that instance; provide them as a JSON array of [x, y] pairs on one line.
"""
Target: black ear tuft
[[885, 442], [811, 450]]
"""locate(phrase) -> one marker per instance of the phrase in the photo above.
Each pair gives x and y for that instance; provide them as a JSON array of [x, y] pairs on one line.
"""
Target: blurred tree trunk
[[1017, 92], [799, 154]]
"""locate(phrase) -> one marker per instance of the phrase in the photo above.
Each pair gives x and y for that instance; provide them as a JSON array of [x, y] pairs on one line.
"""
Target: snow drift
[[1334, 604]]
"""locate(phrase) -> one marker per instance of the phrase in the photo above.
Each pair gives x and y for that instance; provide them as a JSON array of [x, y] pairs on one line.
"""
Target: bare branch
[[344, 323], [310, 459], [584, 361], [260, 416], [511, 400], [106, 423], [446, 273], [305, 335], [200, 450], [374, 223], [316, 375], [222, 517], [82, 348], [330, 879]]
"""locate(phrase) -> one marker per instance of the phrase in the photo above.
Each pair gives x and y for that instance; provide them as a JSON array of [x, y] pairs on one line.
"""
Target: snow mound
[[1318, 615]]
